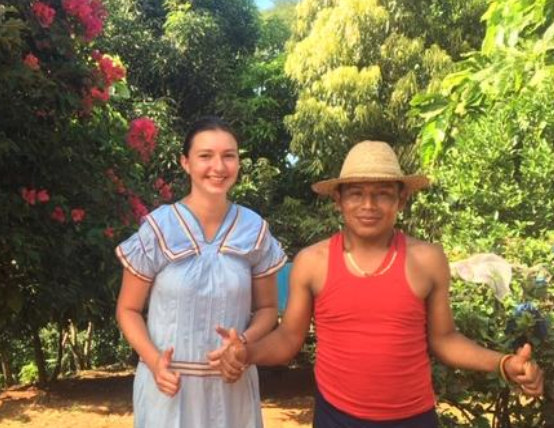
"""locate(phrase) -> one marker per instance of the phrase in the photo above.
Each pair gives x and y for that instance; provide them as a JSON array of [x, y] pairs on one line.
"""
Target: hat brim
[[412, 183]]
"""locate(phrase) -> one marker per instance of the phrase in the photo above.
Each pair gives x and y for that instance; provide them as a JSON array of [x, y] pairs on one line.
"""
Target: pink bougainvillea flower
[[99, 94], [87, 103], [78, 215], [58, 215], [142, 137], [43, 196], [111, 72], [138, 208], [90, 13], [29, 196], [119, 185], [31, 61], [96, 55], [109, 232], [165, 192], [45, 14], [159, 183]]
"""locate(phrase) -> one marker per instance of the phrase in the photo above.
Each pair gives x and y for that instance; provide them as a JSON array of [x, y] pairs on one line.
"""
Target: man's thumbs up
[[520, 369]]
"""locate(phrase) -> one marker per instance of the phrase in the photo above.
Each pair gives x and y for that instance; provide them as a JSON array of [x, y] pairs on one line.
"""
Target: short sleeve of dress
[[141, 253], [268, 258]]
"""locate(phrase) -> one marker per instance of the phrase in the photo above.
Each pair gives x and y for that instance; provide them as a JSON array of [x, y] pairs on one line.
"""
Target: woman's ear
[[185, 164]]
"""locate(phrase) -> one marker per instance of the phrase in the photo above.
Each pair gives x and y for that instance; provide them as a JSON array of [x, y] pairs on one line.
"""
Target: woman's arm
[[130, 304], [264, 307]]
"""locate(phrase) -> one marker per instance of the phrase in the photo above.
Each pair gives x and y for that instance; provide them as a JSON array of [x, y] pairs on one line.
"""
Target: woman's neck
[[207, 209]]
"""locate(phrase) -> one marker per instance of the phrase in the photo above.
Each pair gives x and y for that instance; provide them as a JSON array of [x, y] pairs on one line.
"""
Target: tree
[[487, 139], [187, 52], [358, 64], [72, 167]]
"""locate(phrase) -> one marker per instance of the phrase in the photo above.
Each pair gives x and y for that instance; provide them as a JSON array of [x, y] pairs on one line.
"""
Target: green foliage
[[358, 64], [515, 59], [189, 52], [486, 140], [28, 373], [502, 326]]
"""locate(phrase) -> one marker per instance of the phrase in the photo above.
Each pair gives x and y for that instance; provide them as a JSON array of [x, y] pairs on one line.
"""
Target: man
[[380, 303]]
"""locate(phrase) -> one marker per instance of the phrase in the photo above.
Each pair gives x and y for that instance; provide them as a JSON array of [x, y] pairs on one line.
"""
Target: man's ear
[[403, 199], [185, 164], [336, 199]]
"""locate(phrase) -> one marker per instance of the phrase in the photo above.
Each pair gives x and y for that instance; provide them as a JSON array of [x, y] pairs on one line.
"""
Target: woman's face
[[212, 162]]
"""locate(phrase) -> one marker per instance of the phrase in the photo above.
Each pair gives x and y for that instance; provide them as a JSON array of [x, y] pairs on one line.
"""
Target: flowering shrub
[[59, 133], [142, 137], [90, 14], [44, 14]]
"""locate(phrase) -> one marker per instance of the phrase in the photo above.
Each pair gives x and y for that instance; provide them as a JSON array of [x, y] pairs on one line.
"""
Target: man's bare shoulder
[[310, 266], [314, 253], [425, 254]]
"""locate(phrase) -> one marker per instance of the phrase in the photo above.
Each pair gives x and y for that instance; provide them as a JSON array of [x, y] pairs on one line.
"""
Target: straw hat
[[371, 161]]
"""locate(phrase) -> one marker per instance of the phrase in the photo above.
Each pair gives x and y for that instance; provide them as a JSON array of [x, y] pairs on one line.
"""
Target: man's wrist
[[502, 367], [243, 338]]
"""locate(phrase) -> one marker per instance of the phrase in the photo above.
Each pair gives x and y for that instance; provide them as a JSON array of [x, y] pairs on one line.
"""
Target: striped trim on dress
[[193, 369], [229, 232], [163, 244], [273, 268], [127, 265]]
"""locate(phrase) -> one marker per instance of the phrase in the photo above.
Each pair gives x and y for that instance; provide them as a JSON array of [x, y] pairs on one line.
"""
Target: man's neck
[[354, 242]]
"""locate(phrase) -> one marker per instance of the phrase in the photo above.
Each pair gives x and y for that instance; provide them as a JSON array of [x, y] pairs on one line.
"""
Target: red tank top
[[372, 359]]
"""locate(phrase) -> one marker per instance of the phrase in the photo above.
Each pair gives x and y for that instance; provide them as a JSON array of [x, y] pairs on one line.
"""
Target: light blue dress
[[198, 285]]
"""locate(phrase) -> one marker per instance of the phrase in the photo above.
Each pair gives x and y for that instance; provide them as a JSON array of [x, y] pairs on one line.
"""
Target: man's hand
[[167, 381], [229, 359], [521, 370]]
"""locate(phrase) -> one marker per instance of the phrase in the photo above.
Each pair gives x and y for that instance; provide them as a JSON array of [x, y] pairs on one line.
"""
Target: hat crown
[[371, 159]]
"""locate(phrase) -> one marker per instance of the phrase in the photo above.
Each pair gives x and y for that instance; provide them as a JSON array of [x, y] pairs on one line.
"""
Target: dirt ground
[[102, 399]]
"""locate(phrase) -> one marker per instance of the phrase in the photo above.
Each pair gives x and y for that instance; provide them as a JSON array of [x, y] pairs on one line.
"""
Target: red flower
[[87, 102], [100, 95], [110, 72], [91, 14], [118, 182], [108, 232], [58, 215], [96, 55], [29, 195], [165, 192], [43, 196], [142, 137], [32, 62], [44, 14], [138, 208], [77, 215], [159, 183]]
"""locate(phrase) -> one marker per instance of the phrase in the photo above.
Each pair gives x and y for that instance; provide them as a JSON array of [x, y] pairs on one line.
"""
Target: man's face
[[370, 209]]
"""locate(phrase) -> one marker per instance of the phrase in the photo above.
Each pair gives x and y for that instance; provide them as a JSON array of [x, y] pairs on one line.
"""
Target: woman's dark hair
[[206, 123]]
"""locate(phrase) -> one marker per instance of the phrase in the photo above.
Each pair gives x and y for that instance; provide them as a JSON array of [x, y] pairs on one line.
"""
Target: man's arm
[[283, 343], [453, 348]]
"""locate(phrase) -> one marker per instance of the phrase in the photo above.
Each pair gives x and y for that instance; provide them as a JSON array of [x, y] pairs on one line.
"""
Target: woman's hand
[[167, 381]]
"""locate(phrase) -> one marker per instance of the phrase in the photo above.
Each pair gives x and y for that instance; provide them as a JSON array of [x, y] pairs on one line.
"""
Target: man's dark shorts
[[328, 416]]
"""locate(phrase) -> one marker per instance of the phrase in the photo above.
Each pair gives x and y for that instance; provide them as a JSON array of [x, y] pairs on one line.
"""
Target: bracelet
[[243, 338], [502, 368]]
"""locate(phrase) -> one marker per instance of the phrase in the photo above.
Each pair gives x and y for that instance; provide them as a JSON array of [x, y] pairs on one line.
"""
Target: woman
[[204, 265]]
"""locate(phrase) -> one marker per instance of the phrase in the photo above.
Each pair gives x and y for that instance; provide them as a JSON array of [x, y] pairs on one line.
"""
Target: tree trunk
[[39, 356], [76, 346], [6, 367], [88, 345], [59, 353]]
